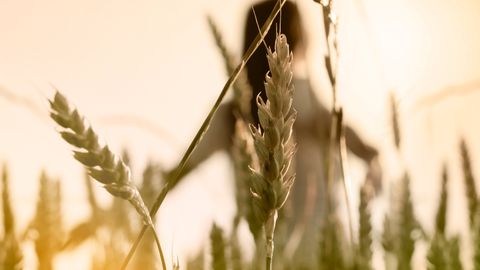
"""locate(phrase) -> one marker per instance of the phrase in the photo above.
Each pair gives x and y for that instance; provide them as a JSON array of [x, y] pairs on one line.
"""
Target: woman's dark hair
[[257, 66]]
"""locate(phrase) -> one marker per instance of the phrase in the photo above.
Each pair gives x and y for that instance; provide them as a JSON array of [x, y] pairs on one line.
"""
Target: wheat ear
[[470, 186], [242, 91], [395, 121], [101, 163], [438, 253], [8, 217], [11, 256], [273, 141], [365, 241], [203, 128], [48, 222], [244, 158]]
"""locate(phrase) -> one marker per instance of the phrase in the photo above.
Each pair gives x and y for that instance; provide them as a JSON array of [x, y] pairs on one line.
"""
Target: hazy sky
[[156, 60]]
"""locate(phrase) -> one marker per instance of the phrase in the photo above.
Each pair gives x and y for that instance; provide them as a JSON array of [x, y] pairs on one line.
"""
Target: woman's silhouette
[[311, 129]]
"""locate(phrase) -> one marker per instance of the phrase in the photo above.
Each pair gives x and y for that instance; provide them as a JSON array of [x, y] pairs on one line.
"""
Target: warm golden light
[[146, 74]]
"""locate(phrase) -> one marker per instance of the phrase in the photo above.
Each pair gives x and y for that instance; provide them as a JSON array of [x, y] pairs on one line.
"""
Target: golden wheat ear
[[11, 255], [273, 142], [101, 163]]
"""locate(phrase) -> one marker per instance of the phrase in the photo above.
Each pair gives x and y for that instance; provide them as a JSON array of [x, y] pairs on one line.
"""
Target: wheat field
[[106, 107]]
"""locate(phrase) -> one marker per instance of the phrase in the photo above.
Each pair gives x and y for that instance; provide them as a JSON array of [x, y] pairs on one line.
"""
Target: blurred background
[[145, 74]]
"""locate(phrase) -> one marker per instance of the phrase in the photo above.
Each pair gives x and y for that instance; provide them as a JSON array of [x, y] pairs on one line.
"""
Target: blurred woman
[[311, 129]]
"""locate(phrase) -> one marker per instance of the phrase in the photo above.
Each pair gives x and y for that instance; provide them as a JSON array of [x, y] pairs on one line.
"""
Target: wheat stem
[[173, 181], [268, 263], [337, 139], [159, 246], [342, 152]]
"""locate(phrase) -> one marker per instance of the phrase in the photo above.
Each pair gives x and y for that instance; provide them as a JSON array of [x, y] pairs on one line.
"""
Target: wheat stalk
[[273, 141], [337, 141], [203, 128], [242, 150], [151, 185], [102, 164]]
